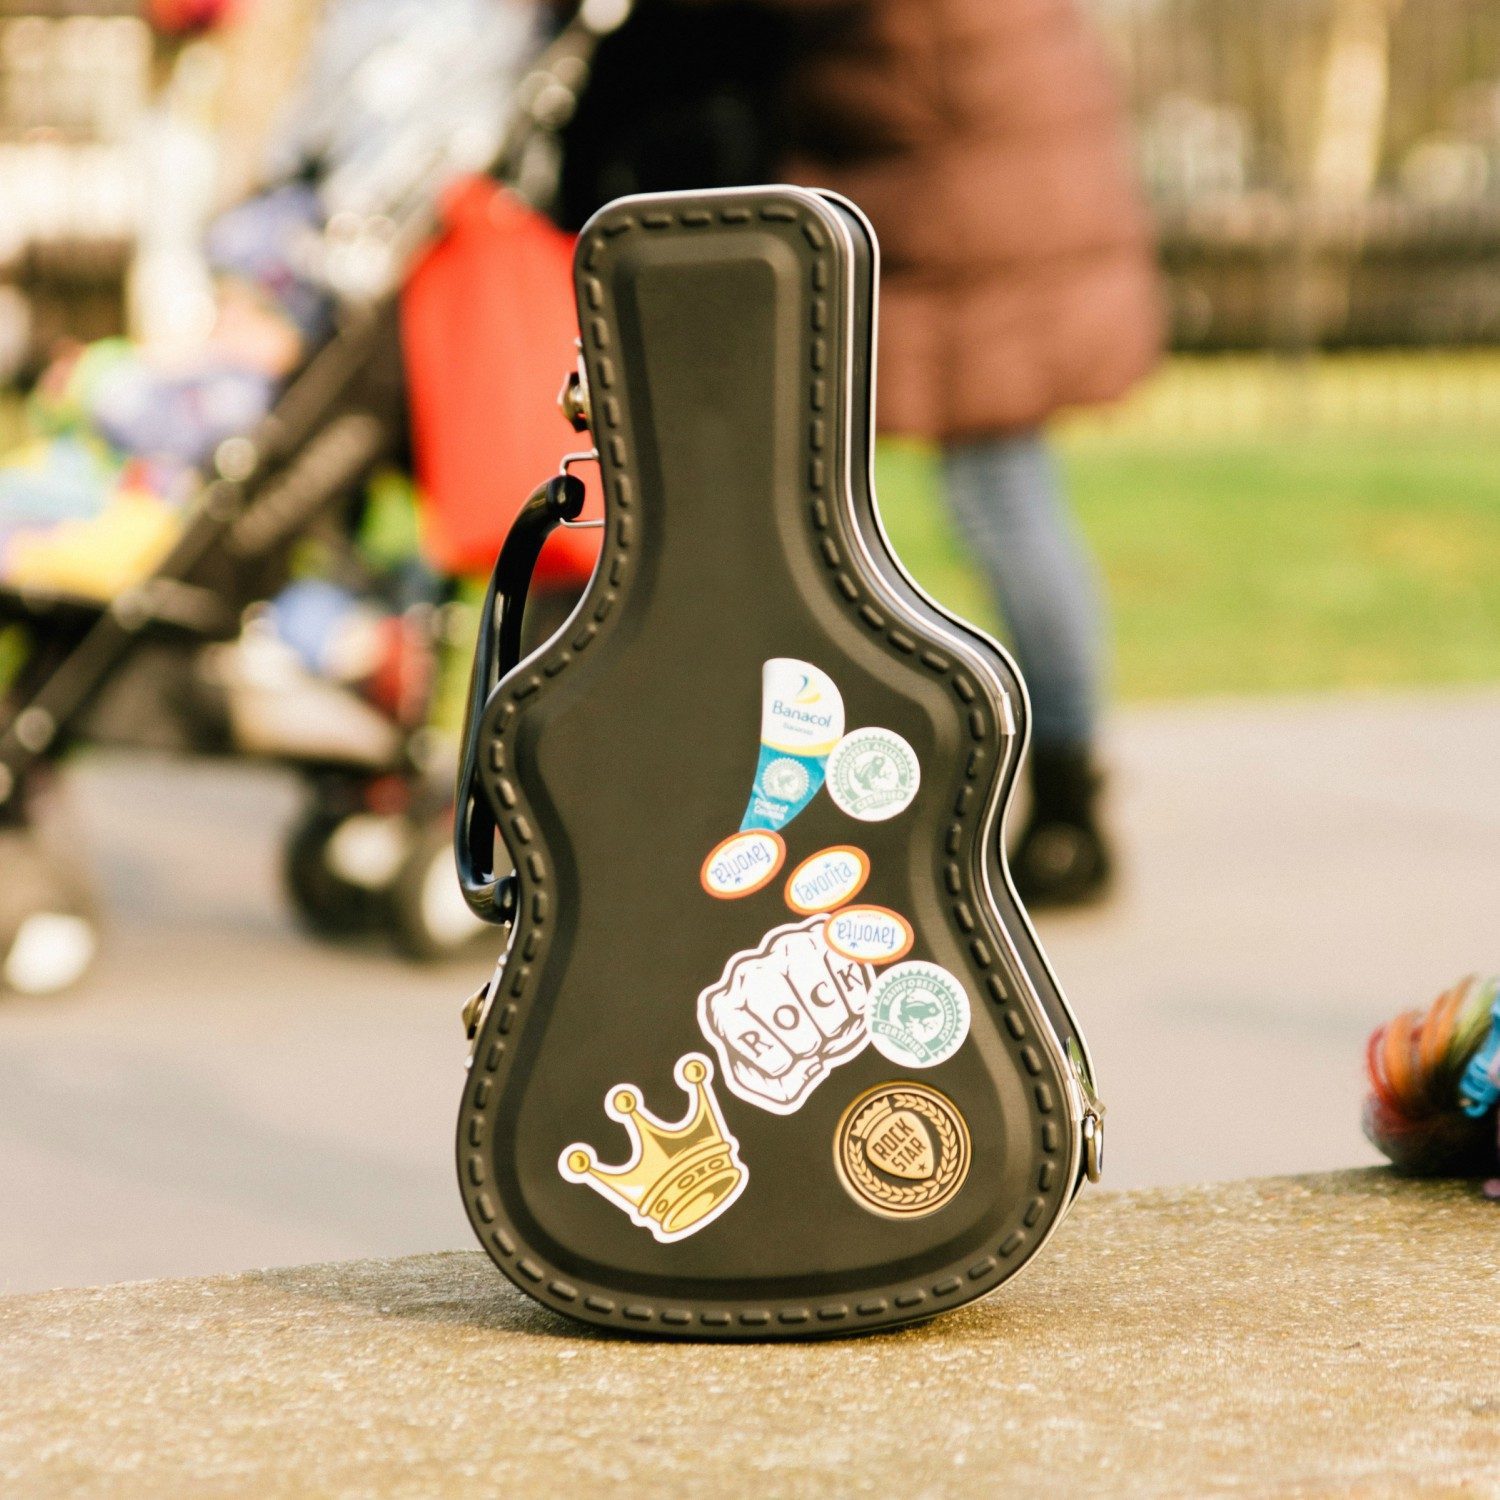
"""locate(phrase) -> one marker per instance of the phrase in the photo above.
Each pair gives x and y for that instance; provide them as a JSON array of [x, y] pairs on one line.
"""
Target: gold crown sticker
[[679, 1177]]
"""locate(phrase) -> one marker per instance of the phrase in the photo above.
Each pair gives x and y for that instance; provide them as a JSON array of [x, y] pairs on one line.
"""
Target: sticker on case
[[827, 879], [742, 864], [679, 1178], [902, 1150], [801, 720], [918, 1015], [784, 1014], [873, 774], [869, 934]]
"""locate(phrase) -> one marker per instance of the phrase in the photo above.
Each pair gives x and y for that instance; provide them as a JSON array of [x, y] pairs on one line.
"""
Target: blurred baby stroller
[[437, 283]]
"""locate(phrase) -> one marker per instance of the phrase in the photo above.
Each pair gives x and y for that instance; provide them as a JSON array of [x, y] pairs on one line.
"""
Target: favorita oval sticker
[[827, 879], [741, 864], [869, 934]]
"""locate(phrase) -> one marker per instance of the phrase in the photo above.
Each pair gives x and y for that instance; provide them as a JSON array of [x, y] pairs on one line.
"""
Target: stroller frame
[[323, 438], [337, 420]]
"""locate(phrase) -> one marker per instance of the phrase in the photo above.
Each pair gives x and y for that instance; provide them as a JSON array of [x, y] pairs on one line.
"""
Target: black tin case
[[707, 1096]]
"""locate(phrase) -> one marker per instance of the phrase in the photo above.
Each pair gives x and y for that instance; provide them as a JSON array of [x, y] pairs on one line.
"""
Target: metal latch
[[473, 1011], [477, 1006], [1093, 1114], [573, 399]]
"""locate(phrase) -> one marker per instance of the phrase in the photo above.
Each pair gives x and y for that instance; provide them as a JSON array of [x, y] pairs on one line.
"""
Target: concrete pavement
[[1328, 1336], [225, 1093]]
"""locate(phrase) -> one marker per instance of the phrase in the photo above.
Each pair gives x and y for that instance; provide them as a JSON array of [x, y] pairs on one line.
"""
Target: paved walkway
[[225, 1093], [1329, 1336]]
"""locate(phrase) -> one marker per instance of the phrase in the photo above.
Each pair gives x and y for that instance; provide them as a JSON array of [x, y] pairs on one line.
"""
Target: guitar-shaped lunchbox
[[772, 1050]]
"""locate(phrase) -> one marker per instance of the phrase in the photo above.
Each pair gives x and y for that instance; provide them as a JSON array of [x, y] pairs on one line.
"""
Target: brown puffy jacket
[[984, 138]]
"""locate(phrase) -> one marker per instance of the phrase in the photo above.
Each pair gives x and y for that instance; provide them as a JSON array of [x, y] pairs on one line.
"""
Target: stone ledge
[[1295, 1336]]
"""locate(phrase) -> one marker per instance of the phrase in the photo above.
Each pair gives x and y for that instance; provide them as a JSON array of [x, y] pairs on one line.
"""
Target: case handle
[[496, 652]]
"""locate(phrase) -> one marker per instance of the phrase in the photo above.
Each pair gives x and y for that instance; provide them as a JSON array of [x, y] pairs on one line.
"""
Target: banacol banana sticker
[[801, 720], [783, 1015], [827, 879], [869, 934], [742, 864]]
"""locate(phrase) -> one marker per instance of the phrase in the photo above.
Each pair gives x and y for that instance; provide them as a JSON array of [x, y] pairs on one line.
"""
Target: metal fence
[[1326, 173], [74, 84]]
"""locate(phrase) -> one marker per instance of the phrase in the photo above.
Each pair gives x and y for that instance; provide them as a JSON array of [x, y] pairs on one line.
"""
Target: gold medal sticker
[[902, 1150]]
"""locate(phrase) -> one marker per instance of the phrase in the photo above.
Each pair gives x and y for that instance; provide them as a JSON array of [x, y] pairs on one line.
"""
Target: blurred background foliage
[[1306, 557], [1307, 497]]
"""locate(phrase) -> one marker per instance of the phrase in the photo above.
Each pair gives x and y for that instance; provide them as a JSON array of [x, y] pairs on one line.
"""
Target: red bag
[[184, 17], [488, 329]]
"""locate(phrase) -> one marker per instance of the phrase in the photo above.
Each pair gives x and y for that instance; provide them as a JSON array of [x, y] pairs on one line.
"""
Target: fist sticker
[[783, 1015]]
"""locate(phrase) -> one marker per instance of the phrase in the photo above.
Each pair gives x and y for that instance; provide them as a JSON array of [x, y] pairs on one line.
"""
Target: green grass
[[1298, 555], [1268, 527]]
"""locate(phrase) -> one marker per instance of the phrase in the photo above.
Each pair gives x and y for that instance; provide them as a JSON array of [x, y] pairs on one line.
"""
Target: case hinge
[[1093, 1114]]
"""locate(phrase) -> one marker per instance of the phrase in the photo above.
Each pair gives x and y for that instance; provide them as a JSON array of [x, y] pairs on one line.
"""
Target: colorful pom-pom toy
[[1434, 1105]]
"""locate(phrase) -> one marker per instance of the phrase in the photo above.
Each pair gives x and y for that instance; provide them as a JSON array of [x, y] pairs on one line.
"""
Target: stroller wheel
[[429, 919], [48, 933], [326, 902]]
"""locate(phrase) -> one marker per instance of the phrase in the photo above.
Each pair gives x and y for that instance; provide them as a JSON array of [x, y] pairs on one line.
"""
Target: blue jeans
[[1005, 495]]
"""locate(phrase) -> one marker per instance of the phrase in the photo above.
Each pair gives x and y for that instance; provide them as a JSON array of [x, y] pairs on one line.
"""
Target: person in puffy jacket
[[985, 140]]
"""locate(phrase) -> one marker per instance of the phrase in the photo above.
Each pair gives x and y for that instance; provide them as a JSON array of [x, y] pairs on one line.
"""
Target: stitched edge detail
[[481, 1093]]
